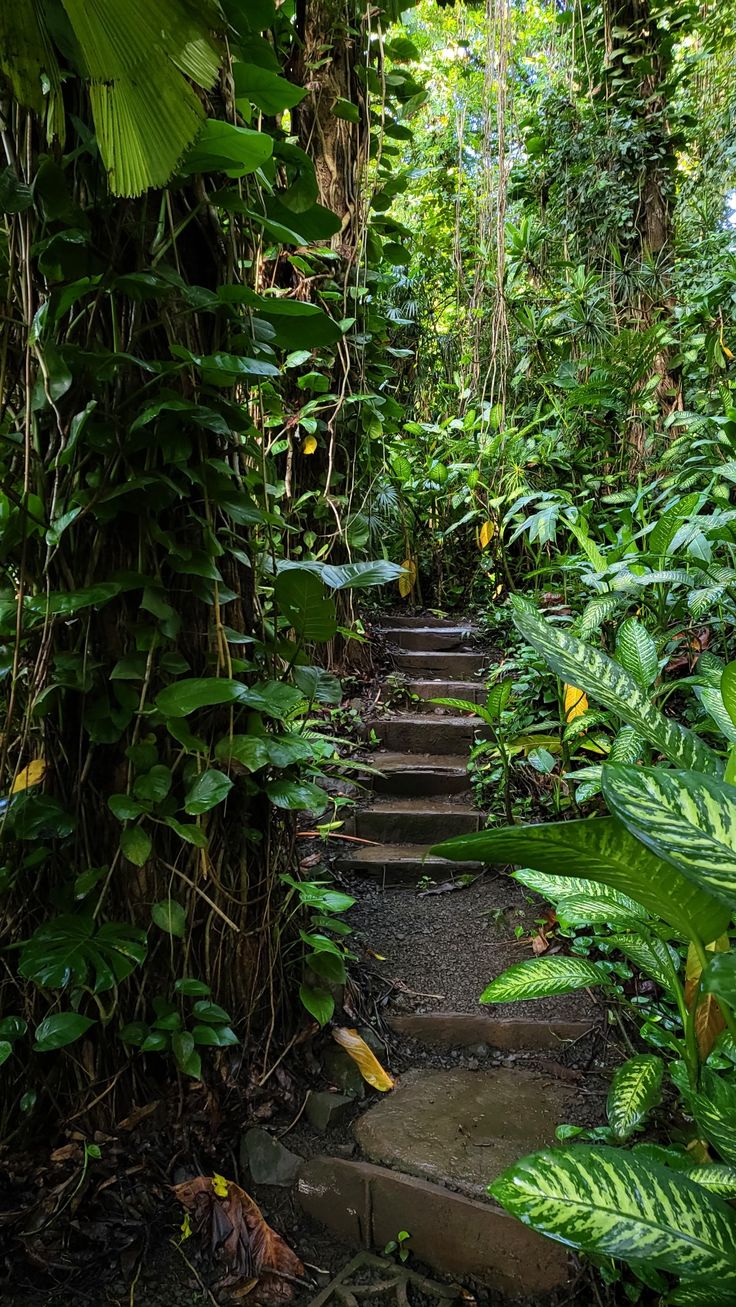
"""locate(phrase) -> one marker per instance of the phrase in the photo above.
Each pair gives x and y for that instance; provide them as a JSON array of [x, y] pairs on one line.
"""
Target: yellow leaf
[[310, 444], [31, 775], [220, 1186], [408, 580], [709, 1020], [487, 532], [186, 1227], [576, 703], [366, 1061]]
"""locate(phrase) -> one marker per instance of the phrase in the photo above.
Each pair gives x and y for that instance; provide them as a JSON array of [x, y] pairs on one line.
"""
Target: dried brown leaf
[[226, 1218]]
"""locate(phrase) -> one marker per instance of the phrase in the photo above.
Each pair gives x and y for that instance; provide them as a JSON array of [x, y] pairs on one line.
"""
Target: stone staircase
[[428, 1149]]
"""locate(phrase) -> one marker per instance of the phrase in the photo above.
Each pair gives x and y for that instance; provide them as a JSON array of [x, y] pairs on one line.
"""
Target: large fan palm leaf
[[136, 56]]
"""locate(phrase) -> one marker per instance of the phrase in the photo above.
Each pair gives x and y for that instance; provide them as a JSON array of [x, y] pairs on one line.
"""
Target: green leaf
[[205, 1010], [73, 950], [5, 1050], [207, 791], [318, 1003], [346, 110], [328, 966], [602, 850], [222, 147], [348, 576], [728, 690], [592, 671], [297, 796], [188, 832], [265, 89], [12, 1028], [15, 195], [687, 819], [719, 977], [716, 1177], [153, 785], [136, 845], [59, 1030], [714, 1109], [124, 807], [170, 916], [637, 652], [598, 908], [184, 697], [605, 1202], [667, 526], [652, 956], [540, 977], [251, 751], [191, 987], [303, 600], [636, 1087], [317, 684]]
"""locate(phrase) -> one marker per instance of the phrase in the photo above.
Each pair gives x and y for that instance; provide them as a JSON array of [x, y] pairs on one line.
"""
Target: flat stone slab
[[366, 1206], [466, 1029], [426, 733], [462, 1126], [440, 665]]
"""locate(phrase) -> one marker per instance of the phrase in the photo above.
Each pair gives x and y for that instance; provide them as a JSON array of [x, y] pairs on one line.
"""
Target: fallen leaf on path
[[540, 943], [366, 1061], [228, 1220]]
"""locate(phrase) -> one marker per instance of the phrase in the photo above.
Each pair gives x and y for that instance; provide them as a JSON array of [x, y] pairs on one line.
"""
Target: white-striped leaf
[[555, 888], [712, 700], [599, 849], [714, 1109], [597, 909], [627, 746], [592, 671], [687, 819], [637, 652], [606, 1202], [728, 690], [636, 1087], [717, 1177], [704, 1293], [654, 957], [666, 527], [541, 977]]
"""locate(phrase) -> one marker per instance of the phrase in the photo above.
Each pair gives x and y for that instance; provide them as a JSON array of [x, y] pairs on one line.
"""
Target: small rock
[[327, 1110], [267, 1160], [478, 1050], [341, 1071], [472, 1064], [374, 1042]]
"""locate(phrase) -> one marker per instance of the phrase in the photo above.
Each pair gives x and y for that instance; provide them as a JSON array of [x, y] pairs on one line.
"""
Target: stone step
[[463, 1127], [417, 619], [426, 733], [451, 665], [396, 864], [420, 773], [472, 691], [419, 820], [366, 1206], [429, 638], [469, 1029]]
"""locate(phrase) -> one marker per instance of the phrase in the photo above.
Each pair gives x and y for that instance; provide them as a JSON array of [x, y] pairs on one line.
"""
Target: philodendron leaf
[[170, 917], [636, 1087], [303, 600], [206, 791], [318, 1002], [592, 671], [59, 1030], [540, 977], [687, 819], [606, 1202], [185, 696], [599, 849]]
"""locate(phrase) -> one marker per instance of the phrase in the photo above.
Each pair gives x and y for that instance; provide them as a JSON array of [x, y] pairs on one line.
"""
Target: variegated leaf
[[716, 1177], [709, 1019], [636, 1087], [654, 957], [714, 1109], [602, 850], [555, 888], [637, 652], [596, 909], [541, 977], [687, 819], [606, 1202], [593, 672]]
